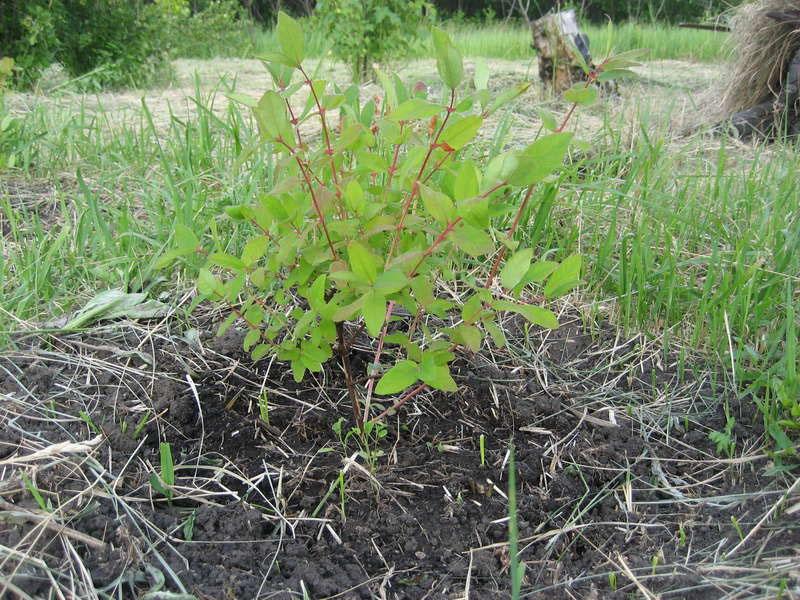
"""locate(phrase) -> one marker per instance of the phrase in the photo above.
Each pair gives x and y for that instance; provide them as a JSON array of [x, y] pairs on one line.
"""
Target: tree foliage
[[362, 31], [118, 42]]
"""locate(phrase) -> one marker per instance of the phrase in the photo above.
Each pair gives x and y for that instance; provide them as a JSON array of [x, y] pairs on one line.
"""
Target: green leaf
[[403, 374], [459, 134], [580, 94], [354, 197], [541, 158], [273, 119], [534, 314], [515, 268], [468, 336], [254, 250], [481, 77], [290, 38], [253, 336], [207, 284], [390, 282], [540, 270], [362, 262], [438, 204], [496, 333], [472, 309], [413, 109], [298, 370], [374, 312], [221, 259], [185, 238], [466, 185], [472, 240], [348, 311], [435, 375], [260, 352], [565, 277], [448, 59], [423, 290], [500, 168], [507, 97], [616, 74], [242, 99], [548, 119]]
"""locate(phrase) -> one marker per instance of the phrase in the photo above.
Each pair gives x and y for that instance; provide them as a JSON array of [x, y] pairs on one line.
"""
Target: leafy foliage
[[118, 42], [370, 30], [363, 220]]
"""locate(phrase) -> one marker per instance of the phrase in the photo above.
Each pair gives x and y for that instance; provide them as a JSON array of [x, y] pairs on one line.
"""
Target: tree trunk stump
[[562, 49]]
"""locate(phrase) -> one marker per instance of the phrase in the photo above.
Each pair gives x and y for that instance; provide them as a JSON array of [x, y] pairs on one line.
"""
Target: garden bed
[[619, 488]]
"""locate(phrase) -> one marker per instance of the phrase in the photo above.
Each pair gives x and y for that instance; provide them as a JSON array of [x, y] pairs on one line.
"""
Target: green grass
[[513, 41]]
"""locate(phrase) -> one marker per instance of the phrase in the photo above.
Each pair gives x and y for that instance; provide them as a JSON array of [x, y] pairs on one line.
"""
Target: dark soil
[[645, 497]]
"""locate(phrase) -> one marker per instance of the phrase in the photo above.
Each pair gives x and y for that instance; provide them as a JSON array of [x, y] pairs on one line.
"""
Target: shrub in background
[[103, 42], [363, 31], [215, 28]]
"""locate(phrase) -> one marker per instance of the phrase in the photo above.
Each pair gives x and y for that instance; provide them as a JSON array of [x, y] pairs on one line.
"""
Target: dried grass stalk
[[763, 48]]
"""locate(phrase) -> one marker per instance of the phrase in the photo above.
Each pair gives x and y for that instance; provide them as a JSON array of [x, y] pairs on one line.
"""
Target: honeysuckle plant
[[367, 215]]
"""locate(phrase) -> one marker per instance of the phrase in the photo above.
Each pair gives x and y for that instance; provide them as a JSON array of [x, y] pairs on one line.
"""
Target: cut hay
[[766, 39]]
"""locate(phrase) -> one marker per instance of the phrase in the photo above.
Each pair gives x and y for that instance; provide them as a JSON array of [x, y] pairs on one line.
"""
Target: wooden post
[[562, 48]]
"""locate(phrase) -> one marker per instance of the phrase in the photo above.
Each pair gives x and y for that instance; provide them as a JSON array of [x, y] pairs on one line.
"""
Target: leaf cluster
[[366, 217]]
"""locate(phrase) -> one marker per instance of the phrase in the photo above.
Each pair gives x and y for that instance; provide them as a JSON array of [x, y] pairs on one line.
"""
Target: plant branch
[[314, 200], [376, 361], [344, 355], [415, 185], [502, 253]]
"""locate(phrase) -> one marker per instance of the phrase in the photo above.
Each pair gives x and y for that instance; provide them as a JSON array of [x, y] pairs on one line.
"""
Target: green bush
[[218, 28], [362, 31], [362, 221], [104, 42]]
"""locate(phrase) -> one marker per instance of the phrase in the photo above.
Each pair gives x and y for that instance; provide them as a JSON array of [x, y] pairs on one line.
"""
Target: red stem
[[325, 132], [408, 396], [317, 208], [435, 244], [501, 254], [415, 185]]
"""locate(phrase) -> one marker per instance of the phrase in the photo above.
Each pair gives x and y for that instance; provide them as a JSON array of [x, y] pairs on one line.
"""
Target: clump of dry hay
[[763, 48]]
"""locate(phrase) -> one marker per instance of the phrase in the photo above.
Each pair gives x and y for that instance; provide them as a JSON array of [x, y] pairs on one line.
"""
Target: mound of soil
[[620, 491]]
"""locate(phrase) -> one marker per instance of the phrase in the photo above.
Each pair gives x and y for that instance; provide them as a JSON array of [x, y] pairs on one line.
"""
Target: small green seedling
[[263, 407], [37, 495], [612, 581], [737, 527], [681, 536], [141, 424], [482, 446], [188, 526], [86, 418], [517, 567], [165, 483]]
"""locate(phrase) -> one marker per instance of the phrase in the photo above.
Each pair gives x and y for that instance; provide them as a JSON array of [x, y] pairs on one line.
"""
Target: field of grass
[[510, 41]]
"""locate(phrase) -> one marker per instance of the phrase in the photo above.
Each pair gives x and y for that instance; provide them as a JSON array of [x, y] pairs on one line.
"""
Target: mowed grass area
[[510, 41], [696, 240]]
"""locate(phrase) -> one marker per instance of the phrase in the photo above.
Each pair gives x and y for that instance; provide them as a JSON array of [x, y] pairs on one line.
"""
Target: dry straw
[[763, 48]]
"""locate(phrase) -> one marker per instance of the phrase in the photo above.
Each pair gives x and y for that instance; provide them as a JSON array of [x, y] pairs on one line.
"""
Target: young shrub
[[366, 31], [366, 216]]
